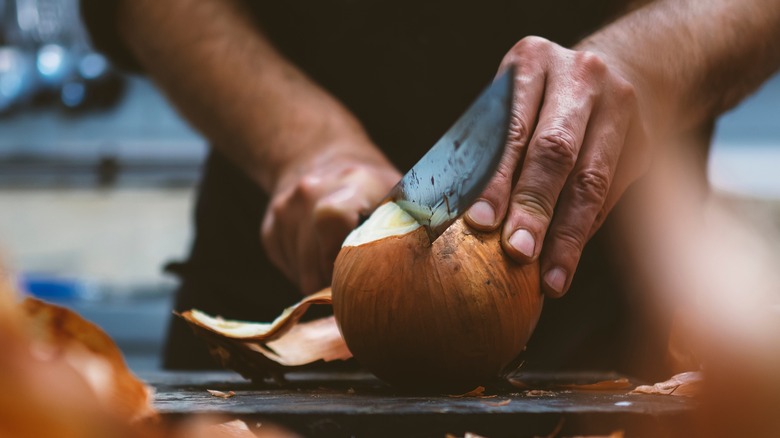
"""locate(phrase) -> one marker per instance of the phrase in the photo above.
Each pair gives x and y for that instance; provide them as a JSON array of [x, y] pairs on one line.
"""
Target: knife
[[455, 171]]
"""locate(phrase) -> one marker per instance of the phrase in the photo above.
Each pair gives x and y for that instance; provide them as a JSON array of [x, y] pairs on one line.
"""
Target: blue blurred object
[[73, 94], [57, 288], [16, 77], [93, 66], [53, 63], [46, 58]]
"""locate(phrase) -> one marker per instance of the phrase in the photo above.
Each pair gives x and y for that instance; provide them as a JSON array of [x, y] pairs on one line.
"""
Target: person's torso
[[408, 69]]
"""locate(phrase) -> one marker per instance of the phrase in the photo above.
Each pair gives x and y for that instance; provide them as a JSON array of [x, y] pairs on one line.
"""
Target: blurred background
[[98, 173]]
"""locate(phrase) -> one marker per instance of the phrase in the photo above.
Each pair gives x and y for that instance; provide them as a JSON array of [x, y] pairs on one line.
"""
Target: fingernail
[[556, 280], [523, 241], [482, 213]]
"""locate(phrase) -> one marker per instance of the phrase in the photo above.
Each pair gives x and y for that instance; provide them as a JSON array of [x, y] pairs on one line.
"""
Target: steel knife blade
[[453, 173]]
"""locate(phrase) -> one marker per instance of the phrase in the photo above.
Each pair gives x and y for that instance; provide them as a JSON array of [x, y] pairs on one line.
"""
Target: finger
[[332, 227], [285, 229], [275, 249], [634, 160], [302, 219], [337, 214], [488, 211], [581, 201], [551, 156], [308, 261]]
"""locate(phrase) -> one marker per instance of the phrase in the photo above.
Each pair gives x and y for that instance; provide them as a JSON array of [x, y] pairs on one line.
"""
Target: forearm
[[229, 81], [695, 58]]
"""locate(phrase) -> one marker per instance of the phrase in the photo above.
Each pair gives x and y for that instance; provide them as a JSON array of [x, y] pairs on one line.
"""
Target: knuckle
[[557, 147], [625, 91], [504, 173], [527, 76], [528, 45], [278, 207], [308, 187], [536, 204], [570, 237], [353, 169], [591, 63], [518, 131], [529, 69], [592, 185]]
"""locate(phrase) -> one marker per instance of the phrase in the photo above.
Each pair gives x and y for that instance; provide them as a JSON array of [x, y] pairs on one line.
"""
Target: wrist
[[306, 130], [329, 155]]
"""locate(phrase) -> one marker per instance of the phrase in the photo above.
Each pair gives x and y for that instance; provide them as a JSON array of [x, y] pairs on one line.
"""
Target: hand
[[313, 210], [576, 143]]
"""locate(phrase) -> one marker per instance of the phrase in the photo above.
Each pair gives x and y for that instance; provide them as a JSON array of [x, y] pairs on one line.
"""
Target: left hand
[[576, 143], [314, 207]]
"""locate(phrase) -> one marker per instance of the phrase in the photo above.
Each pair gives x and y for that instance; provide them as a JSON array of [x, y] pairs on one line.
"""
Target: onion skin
[[447, 317]]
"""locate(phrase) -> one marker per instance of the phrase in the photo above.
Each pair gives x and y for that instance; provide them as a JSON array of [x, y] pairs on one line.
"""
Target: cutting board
[[356, 404]]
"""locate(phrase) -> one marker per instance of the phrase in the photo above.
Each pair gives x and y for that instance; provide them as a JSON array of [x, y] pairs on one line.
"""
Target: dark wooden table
[[355, 404]]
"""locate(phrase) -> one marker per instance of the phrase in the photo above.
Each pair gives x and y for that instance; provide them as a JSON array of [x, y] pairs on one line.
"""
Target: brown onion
[[447, 316]]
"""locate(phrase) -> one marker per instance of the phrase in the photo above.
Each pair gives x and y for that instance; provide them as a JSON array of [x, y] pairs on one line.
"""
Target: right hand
[[577, 142], [313, 209]]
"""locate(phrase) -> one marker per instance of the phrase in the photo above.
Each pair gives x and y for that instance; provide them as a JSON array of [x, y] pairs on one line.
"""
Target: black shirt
[[406, 68]]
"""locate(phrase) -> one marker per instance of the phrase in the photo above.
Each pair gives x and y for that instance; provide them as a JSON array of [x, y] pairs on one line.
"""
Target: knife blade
[[453, 173]]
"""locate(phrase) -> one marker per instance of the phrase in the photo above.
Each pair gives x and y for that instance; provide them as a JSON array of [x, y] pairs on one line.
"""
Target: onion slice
[[257, 331]]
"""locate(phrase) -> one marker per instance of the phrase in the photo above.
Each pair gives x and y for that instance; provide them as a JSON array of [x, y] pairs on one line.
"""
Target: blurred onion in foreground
[[61, 376], [715, 268]]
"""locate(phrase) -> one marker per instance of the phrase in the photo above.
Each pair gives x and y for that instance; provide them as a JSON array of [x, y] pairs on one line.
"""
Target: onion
[[446, 316]]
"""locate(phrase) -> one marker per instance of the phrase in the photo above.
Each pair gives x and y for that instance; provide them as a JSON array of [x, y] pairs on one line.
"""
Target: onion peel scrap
[[604, 385], [221, 394], [257, 331], [687, 384], [260, 351]]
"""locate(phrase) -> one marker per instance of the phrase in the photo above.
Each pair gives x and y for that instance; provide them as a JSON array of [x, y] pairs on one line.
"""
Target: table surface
[[328, 403]]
